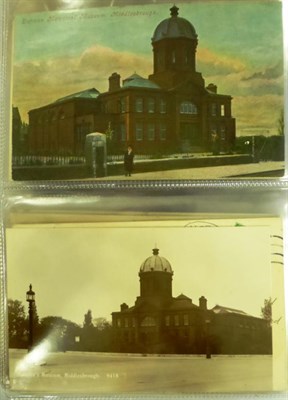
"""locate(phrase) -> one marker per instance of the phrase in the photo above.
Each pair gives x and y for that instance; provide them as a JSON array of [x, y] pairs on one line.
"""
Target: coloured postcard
[[147, 90]]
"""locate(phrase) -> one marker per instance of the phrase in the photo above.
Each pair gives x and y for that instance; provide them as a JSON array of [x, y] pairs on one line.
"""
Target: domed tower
[[155, 279], [174, 45]]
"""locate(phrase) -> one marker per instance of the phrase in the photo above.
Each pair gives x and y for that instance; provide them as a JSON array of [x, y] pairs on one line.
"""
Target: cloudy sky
[[75, 269], [240, 50]]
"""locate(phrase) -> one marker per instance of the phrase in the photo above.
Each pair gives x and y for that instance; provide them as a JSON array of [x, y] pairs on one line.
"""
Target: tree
[[266, 310], [101, 323], [281, 123], [88, 320], [17, 324]]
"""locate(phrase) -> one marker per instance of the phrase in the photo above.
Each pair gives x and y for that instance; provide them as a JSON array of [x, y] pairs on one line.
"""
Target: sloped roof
[[84, 94], [136, 80], [183, 297], [227, 310], [181, 302]]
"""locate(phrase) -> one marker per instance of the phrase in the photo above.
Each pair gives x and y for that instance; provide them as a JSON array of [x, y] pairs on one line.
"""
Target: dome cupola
[[156, 263], [174, 44], [174, 27], [155, 279]]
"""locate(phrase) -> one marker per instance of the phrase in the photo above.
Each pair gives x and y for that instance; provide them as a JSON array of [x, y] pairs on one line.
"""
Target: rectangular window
[[167, 320], [139, 105], [151, 105], [123, 105], [163, 132], [126, 322], [151, 132], [163, 106], [118, 322], [139, 131], [176, 320], [222, 110], [214, 109], [173, 57], [123, 132], [223, 133], [186, 319]]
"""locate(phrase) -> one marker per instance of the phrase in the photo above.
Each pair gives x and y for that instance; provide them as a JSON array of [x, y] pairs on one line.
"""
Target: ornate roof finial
[[155, 251], [174, 11]]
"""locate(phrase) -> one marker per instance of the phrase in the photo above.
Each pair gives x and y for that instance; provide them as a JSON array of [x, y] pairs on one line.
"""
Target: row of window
[[149, 105], [186, 107], [175, 57], [148, 132], [175, 320], [218, 110], [50, 116], [169, 320]]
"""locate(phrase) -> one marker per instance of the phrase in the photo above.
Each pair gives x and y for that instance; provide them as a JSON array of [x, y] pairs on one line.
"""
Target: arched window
[[187, 107]]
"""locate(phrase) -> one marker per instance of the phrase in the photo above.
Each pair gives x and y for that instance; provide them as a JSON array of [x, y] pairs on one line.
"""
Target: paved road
[[74, 372], [271, 168]]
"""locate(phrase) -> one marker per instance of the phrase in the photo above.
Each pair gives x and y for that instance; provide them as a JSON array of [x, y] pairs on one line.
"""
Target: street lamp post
[[30, 298], [208, 350]]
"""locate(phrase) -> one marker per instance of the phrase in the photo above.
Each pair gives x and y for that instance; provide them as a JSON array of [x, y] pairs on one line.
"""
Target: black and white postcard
[[147, 307]]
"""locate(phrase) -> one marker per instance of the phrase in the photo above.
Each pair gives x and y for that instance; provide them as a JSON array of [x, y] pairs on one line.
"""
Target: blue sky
[[240, 50]]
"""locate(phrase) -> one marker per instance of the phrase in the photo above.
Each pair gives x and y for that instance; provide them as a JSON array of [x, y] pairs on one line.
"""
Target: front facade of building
[[171, 111], [161, 323]]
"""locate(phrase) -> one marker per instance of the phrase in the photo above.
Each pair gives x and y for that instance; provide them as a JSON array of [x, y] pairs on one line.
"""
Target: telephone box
[[96, 154]]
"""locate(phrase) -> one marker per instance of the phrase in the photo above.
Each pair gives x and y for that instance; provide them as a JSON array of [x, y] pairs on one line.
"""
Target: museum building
[[161, 323], [170, 111]]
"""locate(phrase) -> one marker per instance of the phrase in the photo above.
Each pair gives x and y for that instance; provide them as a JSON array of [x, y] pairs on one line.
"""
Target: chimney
[[203, 303], [124, 307], [212, 88], [114, 82]]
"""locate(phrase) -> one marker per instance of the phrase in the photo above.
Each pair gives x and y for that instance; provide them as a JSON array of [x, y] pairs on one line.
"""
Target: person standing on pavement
[[128, 161], [215, 144]]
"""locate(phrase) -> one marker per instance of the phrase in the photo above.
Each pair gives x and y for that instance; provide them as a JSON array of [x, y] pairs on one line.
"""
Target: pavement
[[103, 373], [267, 169]]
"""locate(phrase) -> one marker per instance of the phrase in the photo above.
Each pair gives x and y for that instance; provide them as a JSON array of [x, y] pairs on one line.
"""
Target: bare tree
[[266, 310]]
